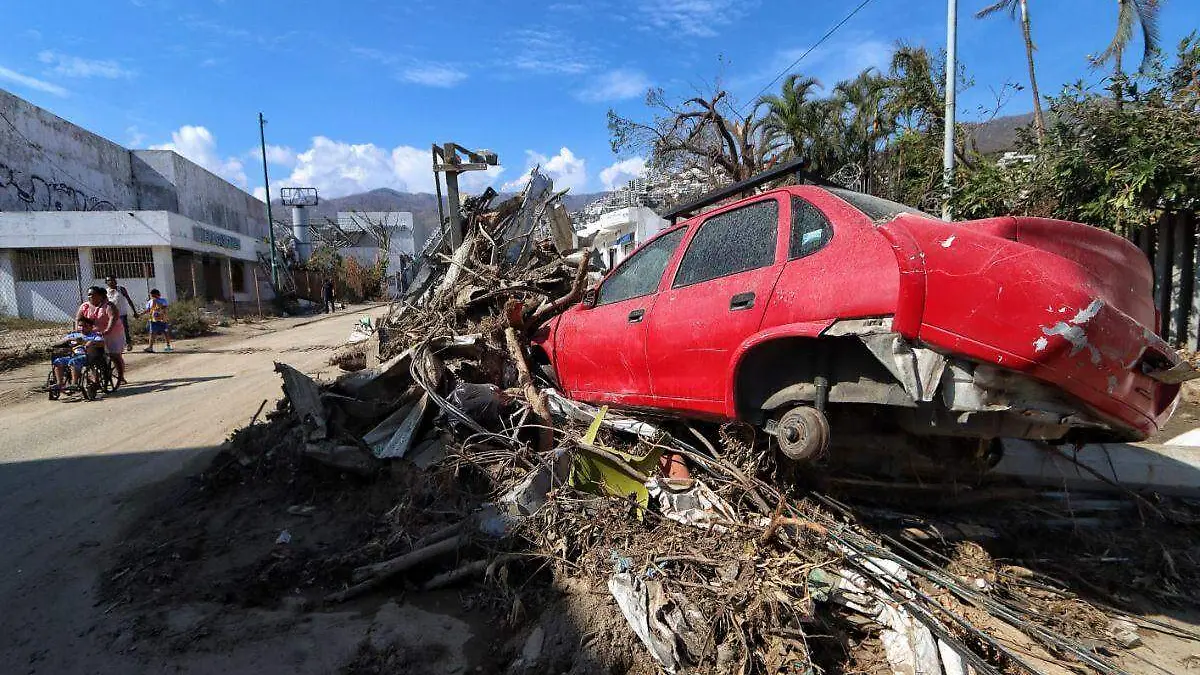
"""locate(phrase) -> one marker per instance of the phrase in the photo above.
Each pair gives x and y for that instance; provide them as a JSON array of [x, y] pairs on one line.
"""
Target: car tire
[[803, 434]]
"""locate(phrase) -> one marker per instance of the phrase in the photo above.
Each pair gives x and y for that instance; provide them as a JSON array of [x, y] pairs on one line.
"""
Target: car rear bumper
[[1110, 363]]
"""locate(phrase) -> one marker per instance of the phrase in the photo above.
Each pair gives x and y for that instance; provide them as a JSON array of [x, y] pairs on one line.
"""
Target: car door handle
[[636, 315], [741, 301]]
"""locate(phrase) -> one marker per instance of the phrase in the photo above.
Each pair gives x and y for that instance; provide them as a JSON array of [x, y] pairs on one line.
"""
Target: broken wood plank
[[402, 438], [374, 575], [305, 398], [371, 381], [378, 437]]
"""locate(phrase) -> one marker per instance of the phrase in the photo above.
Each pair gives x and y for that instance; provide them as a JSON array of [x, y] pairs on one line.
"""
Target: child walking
[[159, 321]]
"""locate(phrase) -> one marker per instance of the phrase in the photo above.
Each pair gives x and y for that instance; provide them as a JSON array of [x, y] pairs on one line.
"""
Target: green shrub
[[186, 317]]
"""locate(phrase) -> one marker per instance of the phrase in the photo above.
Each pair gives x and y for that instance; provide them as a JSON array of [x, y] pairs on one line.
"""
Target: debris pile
[[686, 547]]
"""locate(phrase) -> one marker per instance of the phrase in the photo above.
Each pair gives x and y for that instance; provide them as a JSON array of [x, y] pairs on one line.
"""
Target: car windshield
[[877, 209]]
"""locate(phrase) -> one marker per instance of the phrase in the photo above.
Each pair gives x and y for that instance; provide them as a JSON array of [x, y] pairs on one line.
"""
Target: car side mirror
[[590, 296]]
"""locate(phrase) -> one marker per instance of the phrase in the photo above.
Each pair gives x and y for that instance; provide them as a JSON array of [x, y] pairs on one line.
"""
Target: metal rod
[[450, 158], [437, 186], [262, 137], [951, 81]]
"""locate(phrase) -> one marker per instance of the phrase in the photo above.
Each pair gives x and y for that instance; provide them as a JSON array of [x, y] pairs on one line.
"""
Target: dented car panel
[[1073, 309], [1019, 327]]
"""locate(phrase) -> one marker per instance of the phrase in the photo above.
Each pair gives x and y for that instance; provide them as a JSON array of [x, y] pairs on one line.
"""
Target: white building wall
[[8, 285]]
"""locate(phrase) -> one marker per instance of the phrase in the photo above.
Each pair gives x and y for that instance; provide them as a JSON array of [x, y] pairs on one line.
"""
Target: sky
[[355, 91]]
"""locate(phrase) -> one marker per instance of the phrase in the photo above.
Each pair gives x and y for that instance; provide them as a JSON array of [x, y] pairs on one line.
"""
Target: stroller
[[96, 375]]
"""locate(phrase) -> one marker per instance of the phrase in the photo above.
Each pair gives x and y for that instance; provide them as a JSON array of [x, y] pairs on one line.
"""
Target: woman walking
[[104, 315]]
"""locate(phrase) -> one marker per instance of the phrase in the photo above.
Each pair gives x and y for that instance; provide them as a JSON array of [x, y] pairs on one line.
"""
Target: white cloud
[[412, 71], [276, 154], [615, 85], [33, 34], [547, 52], [433, 75], [260, 193], [199, 145], [620, 173], [136, 137], [691, 18], [337, 169], [567, 170], [75, 66], [31, 82], [839, 60]]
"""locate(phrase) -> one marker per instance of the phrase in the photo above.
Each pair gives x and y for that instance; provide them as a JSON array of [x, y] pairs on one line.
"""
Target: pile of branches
[[718, 567]]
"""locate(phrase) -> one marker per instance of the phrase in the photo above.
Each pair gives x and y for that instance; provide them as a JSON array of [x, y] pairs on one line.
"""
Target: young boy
[[84, 338], [159, 322]]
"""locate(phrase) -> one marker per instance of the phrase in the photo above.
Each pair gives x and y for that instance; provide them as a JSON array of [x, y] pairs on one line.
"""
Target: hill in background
[[423, 206]]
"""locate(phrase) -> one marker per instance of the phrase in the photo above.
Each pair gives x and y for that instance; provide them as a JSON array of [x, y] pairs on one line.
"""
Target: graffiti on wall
[[38, 194]]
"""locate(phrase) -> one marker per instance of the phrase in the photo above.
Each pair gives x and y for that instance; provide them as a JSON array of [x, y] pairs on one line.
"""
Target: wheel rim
[[803, 434]]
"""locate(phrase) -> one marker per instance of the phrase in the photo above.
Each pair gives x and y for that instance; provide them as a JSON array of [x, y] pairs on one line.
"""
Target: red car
[[808, 307]]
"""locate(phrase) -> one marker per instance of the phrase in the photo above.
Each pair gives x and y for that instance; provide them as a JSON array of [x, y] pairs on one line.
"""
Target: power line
[[808, 51]]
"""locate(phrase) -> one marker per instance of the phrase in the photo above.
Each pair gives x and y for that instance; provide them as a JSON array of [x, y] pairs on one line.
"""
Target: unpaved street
[[72, 471]]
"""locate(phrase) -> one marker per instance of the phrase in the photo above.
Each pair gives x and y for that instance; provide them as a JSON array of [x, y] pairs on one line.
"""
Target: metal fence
[[49, 285]]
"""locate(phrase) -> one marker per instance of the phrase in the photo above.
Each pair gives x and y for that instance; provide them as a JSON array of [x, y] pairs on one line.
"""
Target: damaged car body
[[808, 308]]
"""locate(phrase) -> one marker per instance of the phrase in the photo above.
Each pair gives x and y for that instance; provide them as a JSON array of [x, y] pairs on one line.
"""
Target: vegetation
[[186, 317], [1116, 157], [353, 281]]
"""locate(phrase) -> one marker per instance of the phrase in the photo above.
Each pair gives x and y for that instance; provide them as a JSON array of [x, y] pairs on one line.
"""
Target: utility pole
[[447, 161], [262, 137], [951, 81]]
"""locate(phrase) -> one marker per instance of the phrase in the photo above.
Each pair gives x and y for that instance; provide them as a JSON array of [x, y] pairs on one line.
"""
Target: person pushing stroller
[[68, 370]]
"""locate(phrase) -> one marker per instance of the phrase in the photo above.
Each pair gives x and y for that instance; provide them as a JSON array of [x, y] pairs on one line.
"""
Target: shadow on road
[[163, 385]]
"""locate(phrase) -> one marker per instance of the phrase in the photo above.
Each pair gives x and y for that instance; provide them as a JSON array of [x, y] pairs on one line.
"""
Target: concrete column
[[226, 279], [86, 274], [8, 284], [164, 271]]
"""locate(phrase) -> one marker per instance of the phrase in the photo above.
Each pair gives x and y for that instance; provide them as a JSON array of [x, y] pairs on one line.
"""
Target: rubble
[[744, 566]]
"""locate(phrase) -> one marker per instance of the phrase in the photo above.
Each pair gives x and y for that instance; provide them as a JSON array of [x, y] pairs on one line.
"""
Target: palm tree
[[866, 116], [1143, 13], [787, 117], [1013, 7]]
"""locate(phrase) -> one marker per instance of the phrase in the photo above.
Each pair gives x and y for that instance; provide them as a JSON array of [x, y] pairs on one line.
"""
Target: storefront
[[49, 258]]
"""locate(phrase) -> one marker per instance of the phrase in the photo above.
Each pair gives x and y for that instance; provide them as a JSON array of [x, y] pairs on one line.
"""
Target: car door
[[716, 300], [601, 350]]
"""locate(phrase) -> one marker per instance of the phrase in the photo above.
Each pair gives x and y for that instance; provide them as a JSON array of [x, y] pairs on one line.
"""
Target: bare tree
[[703, 132]]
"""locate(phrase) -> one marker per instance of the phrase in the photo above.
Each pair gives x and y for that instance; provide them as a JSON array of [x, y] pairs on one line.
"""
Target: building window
[[237, 276], [130, 262], [46, 264]]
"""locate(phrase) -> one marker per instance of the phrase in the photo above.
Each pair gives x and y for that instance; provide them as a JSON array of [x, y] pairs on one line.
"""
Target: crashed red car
[[809, 308]]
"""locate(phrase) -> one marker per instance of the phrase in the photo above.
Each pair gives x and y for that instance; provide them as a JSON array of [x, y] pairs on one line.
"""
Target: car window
[[810, 229], [640, 273], [877, 209], [731, 242]]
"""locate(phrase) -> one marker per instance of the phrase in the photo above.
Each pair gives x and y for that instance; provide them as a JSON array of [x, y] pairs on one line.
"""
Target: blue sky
[[356, 90]]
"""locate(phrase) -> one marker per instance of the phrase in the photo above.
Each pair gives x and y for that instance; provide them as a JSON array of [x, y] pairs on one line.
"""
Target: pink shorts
[[114, 342]]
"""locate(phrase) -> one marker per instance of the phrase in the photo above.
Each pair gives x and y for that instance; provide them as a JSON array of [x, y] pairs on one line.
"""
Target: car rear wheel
[[803, 433]]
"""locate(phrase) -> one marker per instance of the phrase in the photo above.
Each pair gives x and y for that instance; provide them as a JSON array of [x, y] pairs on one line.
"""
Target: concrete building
[[76, 207], [616, 233], [376, 234]]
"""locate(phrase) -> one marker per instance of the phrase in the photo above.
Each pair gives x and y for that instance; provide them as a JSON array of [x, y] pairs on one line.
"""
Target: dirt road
[[71, 470]]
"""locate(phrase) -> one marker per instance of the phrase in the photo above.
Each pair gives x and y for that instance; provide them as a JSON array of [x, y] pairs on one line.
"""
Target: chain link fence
[[49, 284]]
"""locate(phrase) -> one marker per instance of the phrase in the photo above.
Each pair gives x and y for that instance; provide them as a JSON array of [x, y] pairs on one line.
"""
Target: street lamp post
[[951, 81]]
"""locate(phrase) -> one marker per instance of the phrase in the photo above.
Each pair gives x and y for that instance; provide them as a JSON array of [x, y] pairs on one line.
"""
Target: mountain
[[998, 135], [423, 206]]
